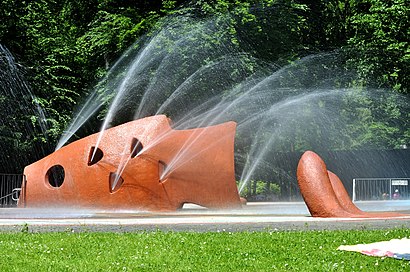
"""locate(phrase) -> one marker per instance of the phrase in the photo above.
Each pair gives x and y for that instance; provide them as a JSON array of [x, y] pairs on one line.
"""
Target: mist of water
[[191, 71], [21, 116]]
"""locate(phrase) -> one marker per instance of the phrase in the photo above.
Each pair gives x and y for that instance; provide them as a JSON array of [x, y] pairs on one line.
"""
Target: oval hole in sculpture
[[55, 176], [136, 147], [162, 166], [115, 182], [94, 156]]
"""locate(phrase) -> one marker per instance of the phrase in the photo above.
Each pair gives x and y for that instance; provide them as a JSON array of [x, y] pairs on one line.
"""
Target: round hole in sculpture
[[136, 147], [94, 156], [55, 176]]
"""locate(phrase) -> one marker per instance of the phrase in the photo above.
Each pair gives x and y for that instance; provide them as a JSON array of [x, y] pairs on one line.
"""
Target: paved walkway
[[253, 217]]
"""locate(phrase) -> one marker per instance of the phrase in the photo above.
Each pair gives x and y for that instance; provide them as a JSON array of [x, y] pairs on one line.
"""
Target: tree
[[381, 39]]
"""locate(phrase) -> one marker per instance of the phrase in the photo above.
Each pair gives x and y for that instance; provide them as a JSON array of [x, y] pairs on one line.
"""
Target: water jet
[[140, 161]]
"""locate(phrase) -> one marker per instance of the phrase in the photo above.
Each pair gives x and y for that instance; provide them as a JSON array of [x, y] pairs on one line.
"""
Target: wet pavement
[[267, 216]]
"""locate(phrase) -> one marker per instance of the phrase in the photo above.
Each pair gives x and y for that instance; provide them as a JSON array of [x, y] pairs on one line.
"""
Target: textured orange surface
[[174, 167], [324, 193]]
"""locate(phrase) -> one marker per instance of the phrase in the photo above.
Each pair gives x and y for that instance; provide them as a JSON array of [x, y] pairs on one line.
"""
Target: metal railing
[[10, 189], [380, 189]]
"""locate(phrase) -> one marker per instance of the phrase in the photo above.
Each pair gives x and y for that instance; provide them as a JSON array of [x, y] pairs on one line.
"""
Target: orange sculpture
[[143, 164], [324, 193]]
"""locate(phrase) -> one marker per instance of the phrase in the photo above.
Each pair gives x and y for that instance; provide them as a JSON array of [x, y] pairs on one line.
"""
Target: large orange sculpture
[[143, 164], [324, 193]]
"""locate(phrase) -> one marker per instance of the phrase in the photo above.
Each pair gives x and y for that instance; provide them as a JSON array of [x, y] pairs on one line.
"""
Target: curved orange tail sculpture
[[324, 193], [143, 165]]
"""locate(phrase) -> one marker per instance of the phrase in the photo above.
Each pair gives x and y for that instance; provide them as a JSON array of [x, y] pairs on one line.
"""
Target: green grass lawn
[[190, 251]]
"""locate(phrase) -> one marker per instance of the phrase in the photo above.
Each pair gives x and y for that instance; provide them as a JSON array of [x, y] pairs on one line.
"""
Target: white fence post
[[354, 191]]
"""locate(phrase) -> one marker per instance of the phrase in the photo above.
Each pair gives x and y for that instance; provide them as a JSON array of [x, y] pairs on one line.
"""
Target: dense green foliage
[[66, 46], [171, 251], [381, 37]]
